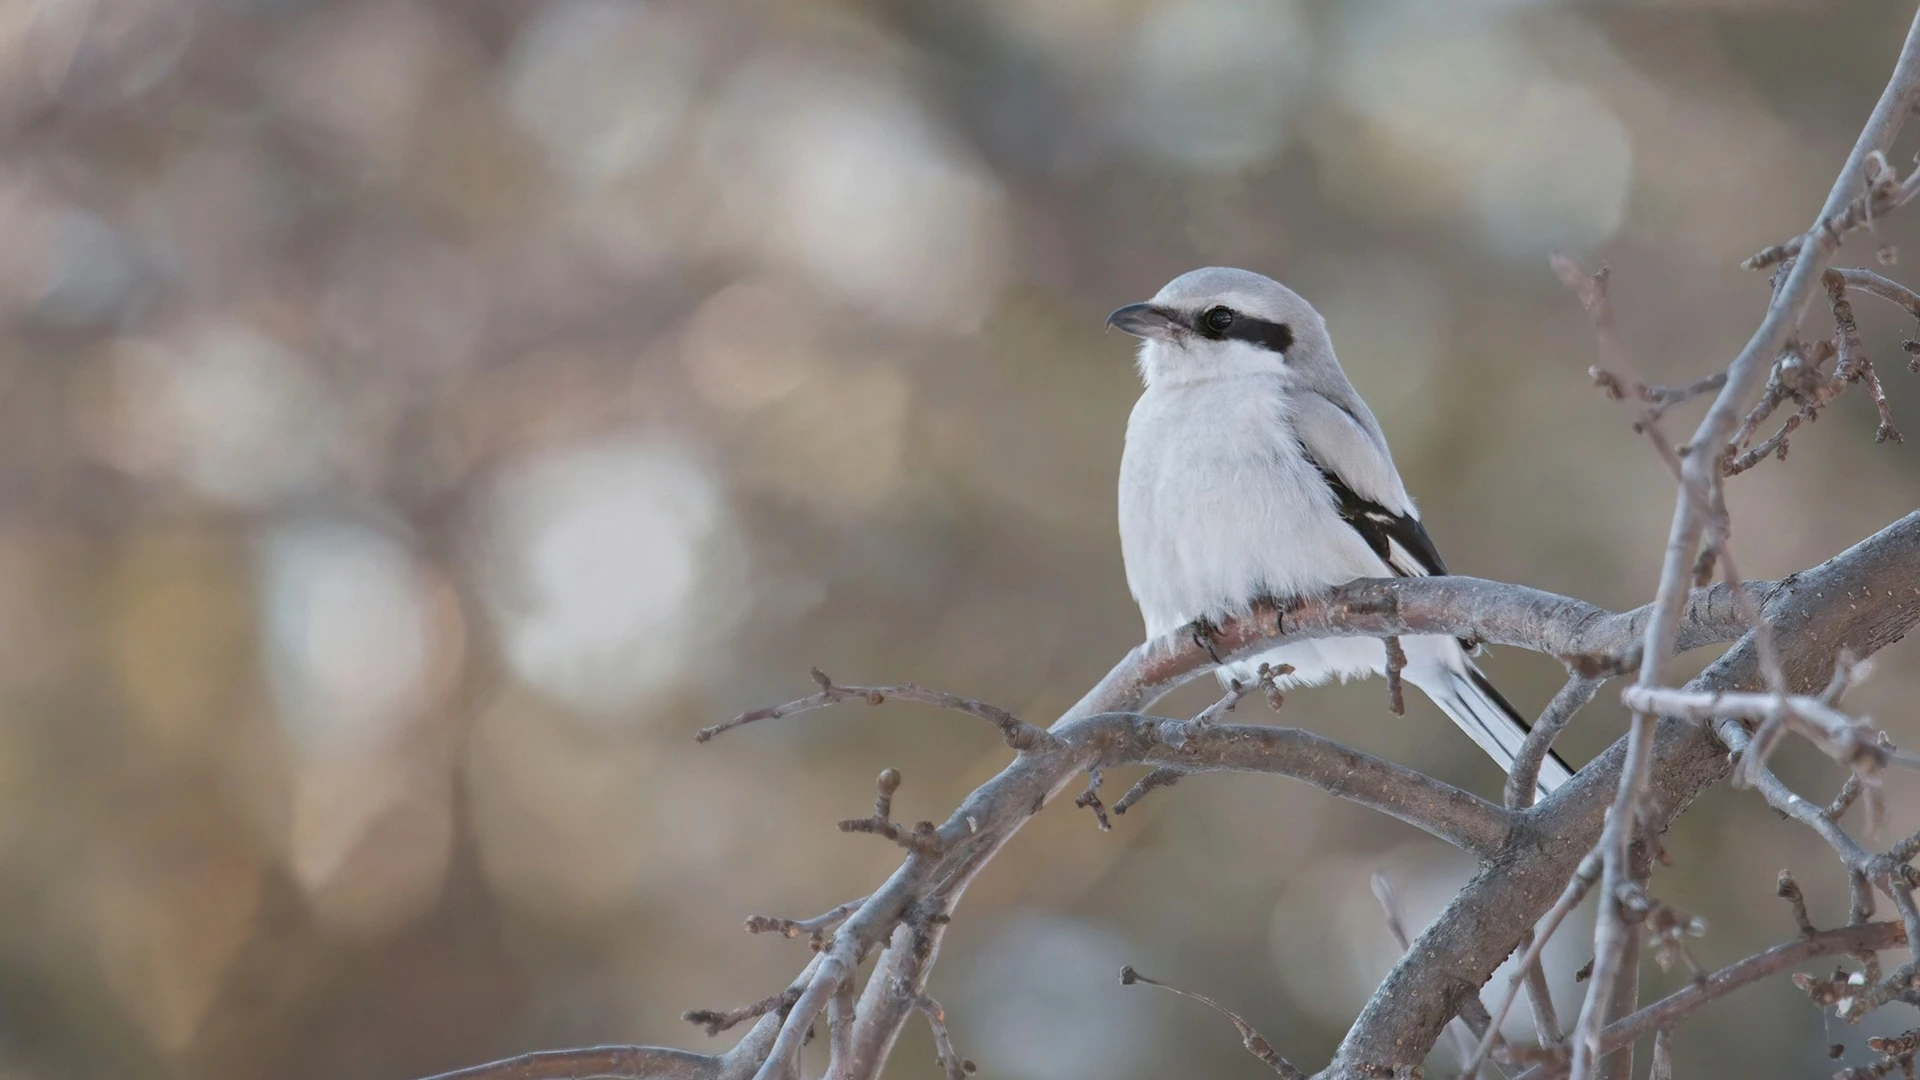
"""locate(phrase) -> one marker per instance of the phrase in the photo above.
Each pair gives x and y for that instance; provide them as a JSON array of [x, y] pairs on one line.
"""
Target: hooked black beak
[[1146, 321]]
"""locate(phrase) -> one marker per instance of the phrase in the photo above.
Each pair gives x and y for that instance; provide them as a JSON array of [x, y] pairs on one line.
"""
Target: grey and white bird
[[1253, 470]]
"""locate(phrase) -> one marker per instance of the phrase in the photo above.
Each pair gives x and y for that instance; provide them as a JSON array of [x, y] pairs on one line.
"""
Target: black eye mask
[[1221, 323]]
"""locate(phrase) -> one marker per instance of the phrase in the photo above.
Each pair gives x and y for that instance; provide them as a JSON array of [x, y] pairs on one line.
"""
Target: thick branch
[[1861, 600], [1588, 638], [1462, 819]]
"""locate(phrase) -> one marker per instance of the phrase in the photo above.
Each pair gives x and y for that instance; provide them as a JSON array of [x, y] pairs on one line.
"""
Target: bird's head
[[1218, 322]]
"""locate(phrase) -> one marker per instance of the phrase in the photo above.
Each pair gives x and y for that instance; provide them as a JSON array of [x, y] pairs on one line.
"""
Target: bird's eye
[[1217, 319]]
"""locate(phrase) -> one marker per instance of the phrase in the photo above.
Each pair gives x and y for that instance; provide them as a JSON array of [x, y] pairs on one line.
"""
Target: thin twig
[[1657, 399], [1867, 281], [717, 1022], [1264, 681], [1843, 799], [955, 1066], [1789, 890], [1018, 734], [1675, 1007], [1883, 196], [1841, 737], [1090, 800], [1662, 1067], [1799, 378], [1256, 1045], [1523, 779], [599, 1062], [921, 839], [1164, 776], [1546, 1020], [1854, 363], [815, 927]]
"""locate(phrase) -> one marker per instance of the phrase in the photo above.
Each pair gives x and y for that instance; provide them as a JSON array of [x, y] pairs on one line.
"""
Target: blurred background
[[418, 417]]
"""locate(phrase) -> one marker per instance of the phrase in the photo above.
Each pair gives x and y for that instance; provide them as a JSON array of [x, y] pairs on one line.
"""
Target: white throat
[[1195, 360]]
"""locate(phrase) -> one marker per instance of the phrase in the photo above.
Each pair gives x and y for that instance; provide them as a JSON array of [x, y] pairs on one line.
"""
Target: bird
[[1253, 471]]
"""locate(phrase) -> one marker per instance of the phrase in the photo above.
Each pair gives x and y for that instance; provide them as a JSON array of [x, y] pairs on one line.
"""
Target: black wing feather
[[1399, 539], [1403, 544]]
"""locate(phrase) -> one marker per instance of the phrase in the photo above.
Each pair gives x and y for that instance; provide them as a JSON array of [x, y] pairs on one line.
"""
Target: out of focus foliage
[[418, 416]]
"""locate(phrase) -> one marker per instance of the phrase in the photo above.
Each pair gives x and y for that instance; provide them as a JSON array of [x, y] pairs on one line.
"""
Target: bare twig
[[1656, 399], [815, 927], [1697, 511], [1164, 776], [717, 1022], [1905, 850], [599, 1062], [1668, 926], [1662, 1067], [1256, 1045], [1673, 1008], [1848, 672], [1592, 291], [1883, 196], [1396, 663], [1867, 281], [955, 1066], [1846, 740], [1848, 794], [1523, 780], [922, 839], [1611, 940], [1090, 800], [1799, 378], [1546, 1020], [1854, 364], [1264, 681], [1019, 735], [1789, 890]]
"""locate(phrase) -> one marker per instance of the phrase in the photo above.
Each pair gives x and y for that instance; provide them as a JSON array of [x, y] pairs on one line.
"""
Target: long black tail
[[1489, 720]]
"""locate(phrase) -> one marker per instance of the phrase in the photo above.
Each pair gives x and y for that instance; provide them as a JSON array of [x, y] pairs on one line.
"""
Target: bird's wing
[[1366, 489]]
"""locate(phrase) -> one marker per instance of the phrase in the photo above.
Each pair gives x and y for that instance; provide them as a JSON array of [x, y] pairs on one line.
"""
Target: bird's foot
[[1280, 606], [1203, 632]]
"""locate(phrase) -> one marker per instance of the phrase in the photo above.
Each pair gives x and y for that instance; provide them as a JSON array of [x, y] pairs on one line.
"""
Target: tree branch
[[1256, 1044], [1587, 638], [1674, 1007], [1462, 819], [1700, 471], [1816, 615], [600, 1062], [1523, 780]]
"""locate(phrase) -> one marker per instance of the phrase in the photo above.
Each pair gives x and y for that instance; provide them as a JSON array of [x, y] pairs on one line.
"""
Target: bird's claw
[[1203, 631]]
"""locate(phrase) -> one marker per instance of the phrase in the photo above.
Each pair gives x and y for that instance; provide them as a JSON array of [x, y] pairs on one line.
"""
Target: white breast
[[1219, 505]]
